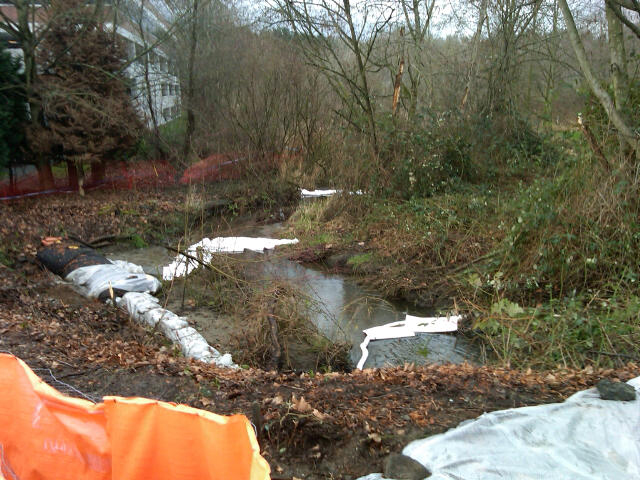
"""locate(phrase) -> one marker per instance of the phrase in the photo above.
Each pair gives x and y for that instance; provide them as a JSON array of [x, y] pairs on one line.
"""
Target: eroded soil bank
[[87, 348]]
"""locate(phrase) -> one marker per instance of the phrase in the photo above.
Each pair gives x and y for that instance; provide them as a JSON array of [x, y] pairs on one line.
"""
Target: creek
[[342, 307]]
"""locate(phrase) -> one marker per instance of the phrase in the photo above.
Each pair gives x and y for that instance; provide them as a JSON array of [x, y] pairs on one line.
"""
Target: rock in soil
[[401, 467], [616, 390]]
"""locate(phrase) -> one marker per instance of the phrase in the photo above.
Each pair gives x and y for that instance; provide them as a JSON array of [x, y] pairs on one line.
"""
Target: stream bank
[[318, 297], [86, 349]]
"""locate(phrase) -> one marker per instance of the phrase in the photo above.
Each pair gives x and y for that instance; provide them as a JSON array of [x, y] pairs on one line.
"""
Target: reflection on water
[[342, 308]]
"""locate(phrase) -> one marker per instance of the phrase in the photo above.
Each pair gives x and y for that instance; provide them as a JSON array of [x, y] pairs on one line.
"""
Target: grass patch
[[360, 259]]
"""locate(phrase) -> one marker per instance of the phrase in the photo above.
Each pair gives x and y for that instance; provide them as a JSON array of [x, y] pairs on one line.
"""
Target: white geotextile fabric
[[207, 247], [317, 193], [406, 328], [146, 309], [584, 438], [95, 279]]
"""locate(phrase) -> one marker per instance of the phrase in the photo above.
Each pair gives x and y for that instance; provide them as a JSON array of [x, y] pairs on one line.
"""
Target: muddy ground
[[345, 426]]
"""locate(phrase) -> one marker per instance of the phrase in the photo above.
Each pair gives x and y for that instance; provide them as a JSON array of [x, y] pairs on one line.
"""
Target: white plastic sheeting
[[95, 279], [146, 309], [317, 193], [407, 328], [584, 438], [207, 247]]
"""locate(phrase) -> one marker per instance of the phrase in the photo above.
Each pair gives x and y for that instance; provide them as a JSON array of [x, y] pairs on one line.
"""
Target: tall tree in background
[[89, 117], [189, 93], [417, 17], [509, 22]]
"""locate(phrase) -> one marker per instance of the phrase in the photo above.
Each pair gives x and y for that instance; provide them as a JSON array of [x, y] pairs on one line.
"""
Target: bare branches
[[328, 29], [603, 96], [634, 5]]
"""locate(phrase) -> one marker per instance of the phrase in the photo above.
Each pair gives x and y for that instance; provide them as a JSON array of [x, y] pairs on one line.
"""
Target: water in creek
[[344, 307]]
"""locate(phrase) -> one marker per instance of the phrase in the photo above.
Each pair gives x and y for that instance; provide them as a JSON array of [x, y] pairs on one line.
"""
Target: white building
[[151, 70]]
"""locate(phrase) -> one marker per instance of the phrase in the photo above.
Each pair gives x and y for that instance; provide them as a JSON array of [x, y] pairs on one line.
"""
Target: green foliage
[[360, 259], [596, 117], [137, 241], [445, 154], [170, 140], [427, 161], [574, 231], [569, 259], [13, 110], [565, 331]]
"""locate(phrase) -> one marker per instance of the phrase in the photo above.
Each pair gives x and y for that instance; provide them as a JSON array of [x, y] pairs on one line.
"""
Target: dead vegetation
[[270, 319]]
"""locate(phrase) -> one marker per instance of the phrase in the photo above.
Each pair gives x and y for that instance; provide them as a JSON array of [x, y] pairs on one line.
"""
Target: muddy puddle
[[342, 308]]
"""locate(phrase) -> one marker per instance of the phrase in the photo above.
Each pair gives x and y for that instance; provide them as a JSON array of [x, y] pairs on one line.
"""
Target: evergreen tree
[[88, 113]]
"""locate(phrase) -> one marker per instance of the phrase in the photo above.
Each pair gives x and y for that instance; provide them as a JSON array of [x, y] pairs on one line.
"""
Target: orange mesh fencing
[[47, 435]]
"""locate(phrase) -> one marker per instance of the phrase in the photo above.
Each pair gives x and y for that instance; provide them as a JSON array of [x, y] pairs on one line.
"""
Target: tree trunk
[[191, 120], [618, 57], [601, 94], [80, 179], [45, 175], [398, 80], [471, 75], [12, 178], [366, 92], [72, 174], [147, 82], [618, 61]]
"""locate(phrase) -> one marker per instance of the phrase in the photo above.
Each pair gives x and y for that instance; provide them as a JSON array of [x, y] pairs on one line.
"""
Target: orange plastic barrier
[[47, 435]]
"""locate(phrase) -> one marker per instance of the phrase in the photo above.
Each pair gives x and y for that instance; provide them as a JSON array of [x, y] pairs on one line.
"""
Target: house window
[[166, 113], [165, 90]]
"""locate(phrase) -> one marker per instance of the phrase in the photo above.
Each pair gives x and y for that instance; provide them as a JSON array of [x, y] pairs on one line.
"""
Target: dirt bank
[[346, 424]]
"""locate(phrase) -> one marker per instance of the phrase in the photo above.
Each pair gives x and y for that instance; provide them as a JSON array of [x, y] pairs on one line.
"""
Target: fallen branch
[[188, 255], [75, 238], [614, 354], [205, 265]]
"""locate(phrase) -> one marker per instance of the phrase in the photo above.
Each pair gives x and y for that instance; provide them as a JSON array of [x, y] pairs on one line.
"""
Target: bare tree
[[340, 43], [475, 45], [617, 117], [417, 18], [630, 5], [189, 93], [509, 21]]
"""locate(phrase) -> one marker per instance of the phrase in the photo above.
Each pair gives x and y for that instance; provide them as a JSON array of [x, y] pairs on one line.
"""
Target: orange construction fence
[[47, 435]]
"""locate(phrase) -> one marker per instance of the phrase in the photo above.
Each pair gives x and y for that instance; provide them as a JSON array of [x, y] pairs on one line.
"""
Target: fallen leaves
[[302, 406]]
